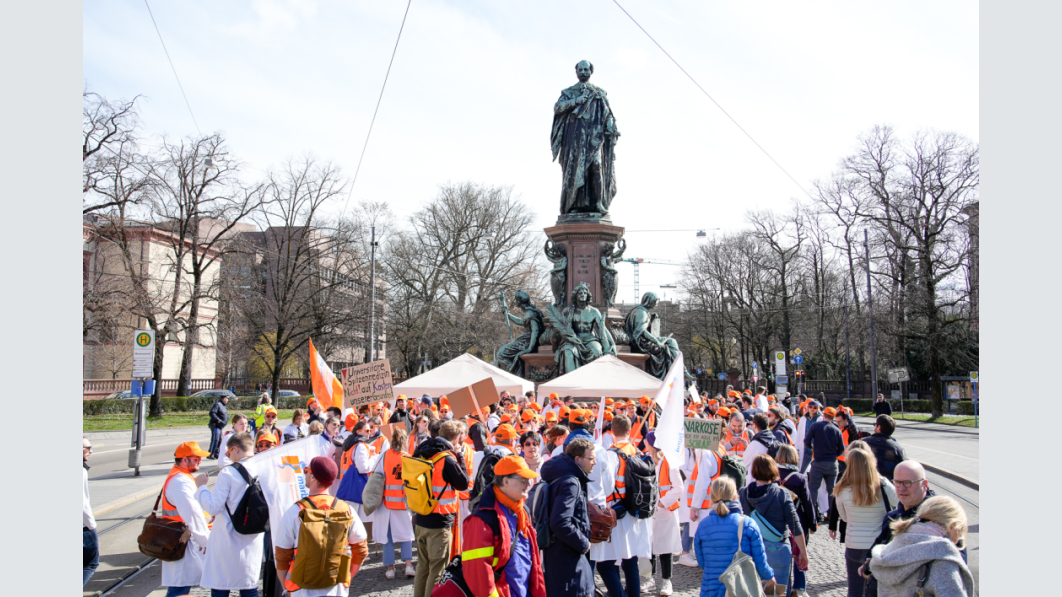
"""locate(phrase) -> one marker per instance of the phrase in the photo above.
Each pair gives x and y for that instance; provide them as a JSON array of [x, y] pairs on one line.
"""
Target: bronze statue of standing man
[[584, 140]]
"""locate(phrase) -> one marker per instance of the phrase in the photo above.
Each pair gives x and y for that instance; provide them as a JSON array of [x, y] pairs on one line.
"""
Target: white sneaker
[[648, 586], [390, 574], [687, 560], [410, 571], [799, 593], [665, 589]]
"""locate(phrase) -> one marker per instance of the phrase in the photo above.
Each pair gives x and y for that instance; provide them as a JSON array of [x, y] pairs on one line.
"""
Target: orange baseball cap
[[723, 411], [830, 411], [733, 394], [350, 421], [534, 406], [644, 400], [553, 396], [513, 465], [579, 416], [527, 416], [608, 415], [400, 397], [713, 402], [505, 418], [747, 391], [190, 449], [269, 409], [551, 416], [505, 431], [609, 401], [564, 410], [269, 438], [444, 401]]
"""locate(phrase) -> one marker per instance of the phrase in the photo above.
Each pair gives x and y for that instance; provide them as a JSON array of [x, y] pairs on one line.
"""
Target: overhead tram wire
[[378, 100], [181, 87], [708, 95]]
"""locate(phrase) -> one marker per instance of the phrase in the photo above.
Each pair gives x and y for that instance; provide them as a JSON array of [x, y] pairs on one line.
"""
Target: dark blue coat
[[567, 569], [823, 438]]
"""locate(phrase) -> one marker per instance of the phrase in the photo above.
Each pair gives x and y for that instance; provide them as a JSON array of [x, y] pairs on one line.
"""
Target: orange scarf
[[522, 523]]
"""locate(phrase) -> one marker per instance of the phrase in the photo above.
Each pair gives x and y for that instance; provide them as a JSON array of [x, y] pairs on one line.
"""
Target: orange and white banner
[[326, 387]]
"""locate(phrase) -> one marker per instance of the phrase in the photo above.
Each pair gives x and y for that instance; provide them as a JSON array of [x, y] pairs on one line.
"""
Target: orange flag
[[326, 388]]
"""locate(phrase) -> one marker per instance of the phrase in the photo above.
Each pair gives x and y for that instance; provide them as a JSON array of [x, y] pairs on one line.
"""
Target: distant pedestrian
[[89, 539], [823, 442], [863, 498], [219, 418], [178, 503], [882, 406], [570, 573], [239, 425], [924, 553], [887, 451], [259, 412], [717, 539], [762, 442], [401, 415]]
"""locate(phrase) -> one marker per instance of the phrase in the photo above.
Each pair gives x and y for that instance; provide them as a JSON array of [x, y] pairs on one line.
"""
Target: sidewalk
[[901, 423], [947, 450]]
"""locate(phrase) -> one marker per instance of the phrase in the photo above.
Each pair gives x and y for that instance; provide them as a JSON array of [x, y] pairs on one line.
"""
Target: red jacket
[[483, 553]]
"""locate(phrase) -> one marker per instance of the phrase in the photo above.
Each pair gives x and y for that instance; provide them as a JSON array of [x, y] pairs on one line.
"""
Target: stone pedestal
[[583, 242]]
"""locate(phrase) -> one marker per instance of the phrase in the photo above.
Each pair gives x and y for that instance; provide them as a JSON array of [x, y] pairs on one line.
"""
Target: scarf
[[523, 524]]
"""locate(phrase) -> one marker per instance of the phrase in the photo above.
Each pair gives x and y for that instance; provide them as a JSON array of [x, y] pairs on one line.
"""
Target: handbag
[[372, 495], [740, 577], [767, 529], [162, 538], [602, 521]]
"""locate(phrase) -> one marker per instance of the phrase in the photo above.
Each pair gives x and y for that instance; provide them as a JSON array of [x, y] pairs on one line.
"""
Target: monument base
[[584, 242], [541, 367]]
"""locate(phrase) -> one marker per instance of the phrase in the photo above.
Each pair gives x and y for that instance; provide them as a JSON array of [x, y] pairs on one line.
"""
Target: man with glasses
[[90, 541], [179, 503]]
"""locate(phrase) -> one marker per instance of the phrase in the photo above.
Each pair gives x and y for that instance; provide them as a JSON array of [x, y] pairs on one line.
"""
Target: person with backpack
[[632, 538], [863, 499], [239, 424], [500, 547], [771, 507], [233, 558], [569, 570], [321, 542], [667, 536], [392, 522], [357, 463], [782, 428], [177, 502], [762, 442], [434, 531], [483, 461], [724, 533]]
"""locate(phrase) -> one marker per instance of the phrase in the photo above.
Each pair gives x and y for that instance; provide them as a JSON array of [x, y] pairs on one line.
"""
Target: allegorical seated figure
[[583, 334], [508, 357], [638, 325]]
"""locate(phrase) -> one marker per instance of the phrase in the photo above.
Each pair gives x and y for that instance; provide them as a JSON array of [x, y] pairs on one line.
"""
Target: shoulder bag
[[162, 538]]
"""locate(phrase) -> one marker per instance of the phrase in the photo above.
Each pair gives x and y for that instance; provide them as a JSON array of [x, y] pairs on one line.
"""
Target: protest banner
[[387, 429], [368, 383], [703, 434], [470, 399], [280, 472]]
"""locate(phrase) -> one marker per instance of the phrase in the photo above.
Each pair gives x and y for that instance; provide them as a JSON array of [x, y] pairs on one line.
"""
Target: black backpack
[[252, 513], [642, 491], [734, 467], [538, 503], [484, 476]]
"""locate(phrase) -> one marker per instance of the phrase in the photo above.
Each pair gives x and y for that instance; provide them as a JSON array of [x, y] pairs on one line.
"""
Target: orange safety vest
[[846, 440], [447, 496], [394, 495], [738, 451], [621, 485], [465, 495], [348, 456], [169, 511], [323, 501], [378, 443], [665, 483], [707, 503]]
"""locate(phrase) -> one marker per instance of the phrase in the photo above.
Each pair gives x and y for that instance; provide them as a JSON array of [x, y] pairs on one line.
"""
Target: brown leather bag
[[602, 521], [162, 538]]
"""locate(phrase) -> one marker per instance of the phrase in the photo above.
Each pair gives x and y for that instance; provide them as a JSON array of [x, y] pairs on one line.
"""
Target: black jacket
[[882, 408], [219, 415], [780, 435], [798, 484], [888, 453], [824, 440], [569, 574], [402, 416], [454, 473]]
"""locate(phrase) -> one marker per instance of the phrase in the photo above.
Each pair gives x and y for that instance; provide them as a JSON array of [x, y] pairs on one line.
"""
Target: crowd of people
[[530, 499]]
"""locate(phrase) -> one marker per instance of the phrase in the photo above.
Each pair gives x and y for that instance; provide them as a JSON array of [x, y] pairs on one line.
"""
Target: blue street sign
[[798, 359], [722, 376], [149, 387]]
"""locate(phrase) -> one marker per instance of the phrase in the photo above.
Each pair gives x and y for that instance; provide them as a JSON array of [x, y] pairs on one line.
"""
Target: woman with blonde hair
[[924, 553], [863, 500], [392, 522], [721, 533], [298, 429]]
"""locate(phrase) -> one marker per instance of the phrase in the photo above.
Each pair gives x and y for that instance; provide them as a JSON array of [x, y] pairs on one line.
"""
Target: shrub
[[966, 407]]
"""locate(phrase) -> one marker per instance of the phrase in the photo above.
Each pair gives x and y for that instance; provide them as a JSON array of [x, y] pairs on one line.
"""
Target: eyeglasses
[[264, 445], [89, 448], [907, 484], [530, 444]]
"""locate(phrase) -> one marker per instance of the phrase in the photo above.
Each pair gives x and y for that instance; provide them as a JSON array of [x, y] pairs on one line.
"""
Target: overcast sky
[[473, 83]]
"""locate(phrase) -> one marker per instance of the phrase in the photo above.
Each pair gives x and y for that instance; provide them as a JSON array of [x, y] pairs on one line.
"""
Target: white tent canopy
[[605, 376], [463, 371]]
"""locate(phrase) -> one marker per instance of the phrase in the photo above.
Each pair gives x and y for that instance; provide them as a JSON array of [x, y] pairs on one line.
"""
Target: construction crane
[[638, 261]]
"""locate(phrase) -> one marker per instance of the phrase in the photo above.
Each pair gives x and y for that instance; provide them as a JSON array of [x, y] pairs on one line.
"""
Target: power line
[[172, 68], [713, 99], [378, 100]]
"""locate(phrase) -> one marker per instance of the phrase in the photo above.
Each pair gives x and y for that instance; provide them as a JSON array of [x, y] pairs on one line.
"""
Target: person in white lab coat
[[178, 503], [233, 560], [667, 535], [633, 537], [239, 424], [392, 522]]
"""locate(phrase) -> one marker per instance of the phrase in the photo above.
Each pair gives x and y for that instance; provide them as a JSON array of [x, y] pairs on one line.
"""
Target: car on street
[[214, 394], [288, 394], [122, 395]]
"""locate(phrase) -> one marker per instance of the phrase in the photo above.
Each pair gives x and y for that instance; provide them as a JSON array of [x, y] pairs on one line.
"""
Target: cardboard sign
[[387, 429], [368, 383], [470, 399], [703, 434]]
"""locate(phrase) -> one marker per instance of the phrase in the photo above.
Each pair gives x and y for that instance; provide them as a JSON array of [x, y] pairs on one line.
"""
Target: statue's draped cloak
[[582, 136]]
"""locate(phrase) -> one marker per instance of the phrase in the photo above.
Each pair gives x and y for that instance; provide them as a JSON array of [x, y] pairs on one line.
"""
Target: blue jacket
[[568, 570], [716, 543], [824, 440]]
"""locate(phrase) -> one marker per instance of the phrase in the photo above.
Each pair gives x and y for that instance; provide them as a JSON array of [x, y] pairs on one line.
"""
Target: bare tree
[[109, 144]]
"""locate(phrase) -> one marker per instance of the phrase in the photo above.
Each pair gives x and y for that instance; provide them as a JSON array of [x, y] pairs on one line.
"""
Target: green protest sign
[[703, 434]]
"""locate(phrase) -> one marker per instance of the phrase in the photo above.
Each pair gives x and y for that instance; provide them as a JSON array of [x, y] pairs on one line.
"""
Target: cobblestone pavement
[[826, 577]]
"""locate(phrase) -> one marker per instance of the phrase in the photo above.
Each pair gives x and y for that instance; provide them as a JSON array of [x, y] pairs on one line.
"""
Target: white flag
[[280, 472], [600, 422], [671, 430]]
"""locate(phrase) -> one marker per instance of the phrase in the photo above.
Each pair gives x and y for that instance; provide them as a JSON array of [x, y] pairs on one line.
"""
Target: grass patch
[[957, 421], [168, 420]]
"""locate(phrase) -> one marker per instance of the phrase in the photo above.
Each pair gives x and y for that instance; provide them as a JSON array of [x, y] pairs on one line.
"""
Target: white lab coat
[[233, 561], [400, 522], [762, 403], [667, 534], [754, 449], [365, 462], [708, 466], [631, 537], [187, 571], [287, 537], [602, 484]]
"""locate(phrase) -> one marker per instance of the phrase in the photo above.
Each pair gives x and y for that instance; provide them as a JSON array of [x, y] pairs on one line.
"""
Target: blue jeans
[[687, 541], [215, 441], [610, 576], [91, 544], [178, 591], [389, 550], [800, 579], [243, 592], [821, 471], [780, 559]]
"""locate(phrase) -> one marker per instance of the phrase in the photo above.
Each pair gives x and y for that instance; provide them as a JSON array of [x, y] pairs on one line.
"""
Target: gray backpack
[[741, 578]]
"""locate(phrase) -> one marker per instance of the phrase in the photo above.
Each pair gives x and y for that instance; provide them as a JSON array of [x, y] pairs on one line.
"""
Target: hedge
[[183, 404], [966, 407], [865, 405]]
